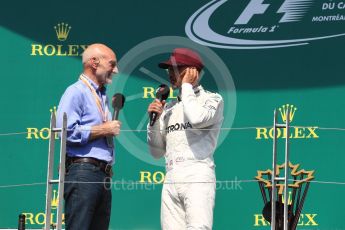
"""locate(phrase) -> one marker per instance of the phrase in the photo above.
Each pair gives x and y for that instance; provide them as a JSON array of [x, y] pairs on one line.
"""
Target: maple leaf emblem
[[299, 176]]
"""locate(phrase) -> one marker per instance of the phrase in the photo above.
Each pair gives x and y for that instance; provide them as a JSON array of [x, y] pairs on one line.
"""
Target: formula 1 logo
[[293, 10], [258, 24]]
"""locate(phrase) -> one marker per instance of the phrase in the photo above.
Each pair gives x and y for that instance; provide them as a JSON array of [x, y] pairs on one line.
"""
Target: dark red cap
[[183, 57]]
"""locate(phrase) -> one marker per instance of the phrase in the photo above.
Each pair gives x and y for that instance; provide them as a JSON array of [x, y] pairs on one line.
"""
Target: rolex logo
[[50, 49], [39, 218], [55, 200], [284, 113], [62, 31], [296, 132], [41, 133]]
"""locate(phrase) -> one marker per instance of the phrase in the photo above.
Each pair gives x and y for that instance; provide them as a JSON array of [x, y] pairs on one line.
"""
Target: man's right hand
[[112, 127], [157, 107], [109, 128]]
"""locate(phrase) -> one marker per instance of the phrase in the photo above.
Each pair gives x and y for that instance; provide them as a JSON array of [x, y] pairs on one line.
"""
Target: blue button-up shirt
[[80, 106]]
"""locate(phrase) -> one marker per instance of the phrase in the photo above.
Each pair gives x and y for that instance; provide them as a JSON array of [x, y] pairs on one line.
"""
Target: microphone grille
[[163, 92], [118, 100]]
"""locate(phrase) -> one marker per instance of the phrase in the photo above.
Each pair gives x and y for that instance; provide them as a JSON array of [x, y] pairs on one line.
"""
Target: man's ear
[[94, 62]]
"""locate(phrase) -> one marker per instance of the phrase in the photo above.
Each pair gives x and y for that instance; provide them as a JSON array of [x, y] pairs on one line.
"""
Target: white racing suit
[[186, 134]]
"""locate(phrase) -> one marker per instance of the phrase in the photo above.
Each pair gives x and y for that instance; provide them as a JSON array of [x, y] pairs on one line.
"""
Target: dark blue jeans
[[87, 205]]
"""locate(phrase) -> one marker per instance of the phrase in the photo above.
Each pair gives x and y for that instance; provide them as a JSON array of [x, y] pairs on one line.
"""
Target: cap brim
[[164, 65], [167, 64]]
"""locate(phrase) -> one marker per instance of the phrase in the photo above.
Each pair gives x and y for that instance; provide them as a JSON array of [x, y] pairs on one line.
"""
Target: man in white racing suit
[[186, 134]]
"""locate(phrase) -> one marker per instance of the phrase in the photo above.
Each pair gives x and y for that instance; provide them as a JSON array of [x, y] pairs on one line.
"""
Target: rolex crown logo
[[53, 110], [284, 112], [289, 198], [55, 201], [62, 31]]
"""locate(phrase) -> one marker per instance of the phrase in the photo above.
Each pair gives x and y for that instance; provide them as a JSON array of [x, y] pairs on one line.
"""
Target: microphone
[[117, 102], [162, 94]]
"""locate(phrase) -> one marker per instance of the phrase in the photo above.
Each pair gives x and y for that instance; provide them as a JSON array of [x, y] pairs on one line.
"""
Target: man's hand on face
[[190, 75]]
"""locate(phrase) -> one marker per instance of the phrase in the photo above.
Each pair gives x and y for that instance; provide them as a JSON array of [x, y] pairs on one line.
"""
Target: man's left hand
[[190, 75]]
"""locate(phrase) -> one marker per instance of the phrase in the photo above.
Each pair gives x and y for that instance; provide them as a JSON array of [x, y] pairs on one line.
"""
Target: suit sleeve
[[201, 115], [156, 138]]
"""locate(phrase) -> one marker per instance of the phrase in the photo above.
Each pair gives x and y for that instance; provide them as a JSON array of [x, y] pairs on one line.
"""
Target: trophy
[[298, 187]]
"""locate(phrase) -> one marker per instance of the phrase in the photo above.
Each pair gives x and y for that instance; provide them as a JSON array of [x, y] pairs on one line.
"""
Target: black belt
[[103, 165]]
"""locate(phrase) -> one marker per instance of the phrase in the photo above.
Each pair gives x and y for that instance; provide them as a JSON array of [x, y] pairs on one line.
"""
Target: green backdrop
[[278, 53]]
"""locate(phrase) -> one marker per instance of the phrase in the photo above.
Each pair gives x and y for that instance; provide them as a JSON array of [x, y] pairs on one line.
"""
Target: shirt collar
[[101, 88]]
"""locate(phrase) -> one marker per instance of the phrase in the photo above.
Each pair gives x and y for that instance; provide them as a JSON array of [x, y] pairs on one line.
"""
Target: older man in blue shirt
[[90, 149]]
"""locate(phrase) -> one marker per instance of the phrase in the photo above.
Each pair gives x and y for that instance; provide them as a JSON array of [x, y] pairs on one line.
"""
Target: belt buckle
[[108, 170]]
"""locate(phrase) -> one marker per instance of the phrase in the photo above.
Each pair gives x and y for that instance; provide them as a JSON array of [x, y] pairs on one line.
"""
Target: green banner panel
[[260, 55]]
